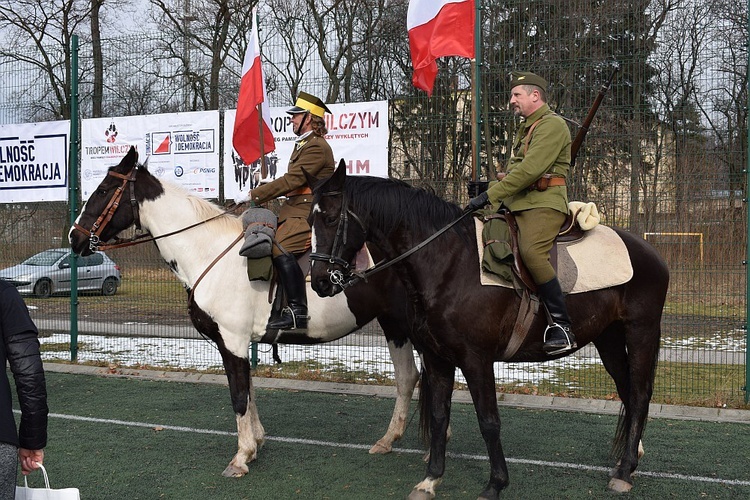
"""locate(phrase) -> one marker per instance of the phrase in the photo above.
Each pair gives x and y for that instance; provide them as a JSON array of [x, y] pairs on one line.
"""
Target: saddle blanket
[[598, 260]]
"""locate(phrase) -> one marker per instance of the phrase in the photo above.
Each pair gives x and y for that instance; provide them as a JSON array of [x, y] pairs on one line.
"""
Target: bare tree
[[198, 41], [38, 35], [97, 58]]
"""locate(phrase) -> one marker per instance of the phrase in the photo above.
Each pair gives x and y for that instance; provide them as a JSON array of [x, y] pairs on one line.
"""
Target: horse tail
[[425, 403], [624, 421]]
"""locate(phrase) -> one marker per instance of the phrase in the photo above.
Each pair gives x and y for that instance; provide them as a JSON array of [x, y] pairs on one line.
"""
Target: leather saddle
[[569, 231]]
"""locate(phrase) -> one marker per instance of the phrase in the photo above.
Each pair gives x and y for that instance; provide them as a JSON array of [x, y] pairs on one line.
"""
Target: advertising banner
[[357, 133], [34, 162], [180, 147]]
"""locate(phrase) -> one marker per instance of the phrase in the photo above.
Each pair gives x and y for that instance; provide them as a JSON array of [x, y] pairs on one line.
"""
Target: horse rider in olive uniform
[[312, 153], [541, 148]]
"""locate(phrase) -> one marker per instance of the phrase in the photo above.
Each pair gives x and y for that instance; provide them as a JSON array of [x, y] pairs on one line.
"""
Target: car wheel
[[43, 288], [109, 287]]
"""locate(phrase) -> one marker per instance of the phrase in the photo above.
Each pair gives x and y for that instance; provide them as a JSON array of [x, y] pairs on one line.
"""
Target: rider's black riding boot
[[294, 316], [558, 337]]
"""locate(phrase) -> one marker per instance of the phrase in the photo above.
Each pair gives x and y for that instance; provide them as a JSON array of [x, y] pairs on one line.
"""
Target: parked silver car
[[48, 273]]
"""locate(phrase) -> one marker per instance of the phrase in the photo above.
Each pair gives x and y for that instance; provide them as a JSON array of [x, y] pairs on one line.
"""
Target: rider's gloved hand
[[474, 188], [477, 202], [242, 197]]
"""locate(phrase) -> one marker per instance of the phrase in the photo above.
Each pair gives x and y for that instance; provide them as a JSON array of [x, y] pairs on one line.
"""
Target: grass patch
[[689, 384], [316, 371], [60, 347], [702, 385]]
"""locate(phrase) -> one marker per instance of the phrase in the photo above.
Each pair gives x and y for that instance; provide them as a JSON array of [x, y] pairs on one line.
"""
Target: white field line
[[461, 456]]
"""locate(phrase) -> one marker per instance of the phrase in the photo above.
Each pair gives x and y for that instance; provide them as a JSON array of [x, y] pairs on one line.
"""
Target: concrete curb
[[600, 406]]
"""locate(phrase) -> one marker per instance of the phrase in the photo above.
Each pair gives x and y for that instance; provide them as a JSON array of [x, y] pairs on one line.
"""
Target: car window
[[95, 259], [46, 258]]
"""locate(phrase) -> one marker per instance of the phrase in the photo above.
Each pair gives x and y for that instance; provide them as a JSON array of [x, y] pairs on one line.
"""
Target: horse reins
[[336, 276], [109, 211], [113, 205]]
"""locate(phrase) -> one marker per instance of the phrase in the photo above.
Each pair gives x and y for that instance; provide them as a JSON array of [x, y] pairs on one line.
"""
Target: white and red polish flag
[[246, 137], [438, 28]]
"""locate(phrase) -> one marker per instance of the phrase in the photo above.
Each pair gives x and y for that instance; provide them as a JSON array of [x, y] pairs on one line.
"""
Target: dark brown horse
[[463, 324], [227, 307]]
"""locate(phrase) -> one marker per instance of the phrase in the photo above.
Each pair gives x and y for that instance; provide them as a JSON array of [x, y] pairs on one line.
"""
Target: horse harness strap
[[519, 269], [338, 279], [109, 211], [339, 242], [529, 305], [522, 326], [212, 264], [384, 265]]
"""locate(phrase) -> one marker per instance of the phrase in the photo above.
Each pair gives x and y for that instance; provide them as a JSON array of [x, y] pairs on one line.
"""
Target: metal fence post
[[73, 193], [747, 236]]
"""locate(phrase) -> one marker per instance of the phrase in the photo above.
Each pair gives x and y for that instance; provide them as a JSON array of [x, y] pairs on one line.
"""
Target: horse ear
[[132, 157], [128, 161], [310, 179], [339, 176]]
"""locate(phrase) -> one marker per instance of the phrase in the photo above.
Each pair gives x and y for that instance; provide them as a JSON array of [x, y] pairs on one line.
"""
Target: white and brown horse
[[227, 307]]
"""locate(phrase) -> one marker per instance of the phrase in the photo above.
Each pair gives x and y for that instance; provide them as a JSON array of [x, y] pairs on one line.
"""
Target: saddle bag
[[497, 257]]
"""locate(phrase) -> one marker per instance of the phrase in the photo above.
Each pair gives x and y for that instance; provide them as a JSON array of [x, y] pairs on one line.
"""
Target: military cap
[[306, 102], [527, 78]]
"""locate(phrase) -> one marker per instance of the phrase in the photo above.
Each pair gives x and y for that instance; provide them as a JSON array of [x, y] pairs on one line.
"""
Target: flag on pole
[[246, 137], [438, 28]]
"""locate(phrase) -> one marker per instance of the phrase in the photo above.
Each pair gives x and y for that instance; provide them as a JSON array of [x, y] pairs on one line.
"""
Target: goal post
[[699, 237]]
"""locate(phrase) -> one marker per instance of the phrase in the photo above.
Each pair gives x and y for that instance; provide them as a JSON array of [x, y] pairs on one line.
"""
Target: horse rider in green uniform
[[540, 204], [312, 153]]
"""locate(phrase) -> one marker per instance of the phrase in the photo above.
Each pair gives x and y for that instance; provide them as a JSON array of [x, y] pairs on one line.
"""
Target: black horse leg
[[435, 401], [642, 339], [250, 432], [480, 377], [632, 369]]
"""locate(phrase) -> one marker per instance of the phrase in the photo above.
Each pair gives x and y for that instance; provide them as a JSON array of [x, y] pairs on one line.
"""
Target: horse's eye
[[330, 220]]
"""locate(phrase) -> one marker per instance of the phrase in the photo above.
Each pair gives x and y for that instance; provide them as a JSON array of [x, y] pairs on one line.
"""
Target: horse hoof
[[619, 486], [234, 471], [380, 449], [420, 495]]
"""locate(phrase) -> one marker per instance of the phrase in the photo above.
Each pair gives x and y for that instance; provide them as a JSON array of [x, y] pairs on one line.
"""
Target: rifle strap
[[527, 138]]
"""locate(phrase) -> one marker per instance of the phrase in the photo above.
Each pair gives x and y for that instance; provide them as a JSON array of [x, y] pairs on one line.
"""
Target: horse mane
[[205, 210], [392, 203]]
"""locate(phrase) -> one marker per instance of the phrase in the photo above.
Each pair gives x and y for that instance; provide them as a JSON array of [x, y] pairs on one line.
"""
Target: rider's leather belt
[[299, 191], [545, 181]]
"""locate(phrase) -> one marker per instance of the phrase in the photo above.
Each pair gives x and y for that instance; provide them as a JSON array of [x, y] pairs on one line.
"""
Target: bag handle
[[46, 478]]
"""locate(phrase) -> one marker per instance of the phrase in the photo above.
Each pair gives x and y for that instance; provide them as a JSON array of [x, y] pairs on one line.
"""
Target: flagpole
[[476, 92], [263, 168]]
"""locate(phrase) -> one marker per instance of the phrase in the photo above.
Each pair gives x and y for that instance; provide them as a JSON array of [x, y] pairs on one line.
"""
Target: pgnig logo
[[178, 171]]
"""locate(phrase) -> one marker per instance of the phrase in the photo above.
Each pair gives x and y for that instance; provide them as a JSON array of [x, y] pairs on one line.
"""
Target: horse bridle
[[336, 276], [109, 211]]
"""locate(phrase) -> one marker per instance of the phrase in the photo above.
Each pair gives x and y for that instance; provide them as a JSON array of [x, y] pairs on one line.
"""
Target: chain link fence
[[664, 158]]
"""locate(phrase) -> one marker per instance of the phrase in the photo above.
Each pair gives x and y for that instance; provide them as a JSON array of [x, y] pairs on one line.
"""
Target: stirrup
[[569, 339], [288, 310]]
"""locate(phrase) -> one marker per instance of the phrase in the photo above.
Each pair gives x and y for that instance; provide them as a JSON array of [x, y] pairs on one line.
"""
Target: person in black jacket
[[20, 348]]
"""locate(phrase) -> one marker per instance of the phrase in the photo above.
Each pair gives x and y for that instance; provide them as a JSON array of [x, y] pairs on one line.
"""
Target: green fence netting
[[665, 158]]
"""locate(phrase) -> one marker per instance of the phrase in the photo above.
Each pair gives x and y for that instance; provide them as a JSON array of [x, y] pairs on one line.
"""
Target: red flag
[[438, 28], [246, 135]]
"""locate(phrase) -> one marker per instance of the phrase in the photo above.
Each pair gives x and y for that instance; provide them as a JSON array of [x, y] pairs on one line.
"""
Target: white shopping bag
[[46, 493]]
